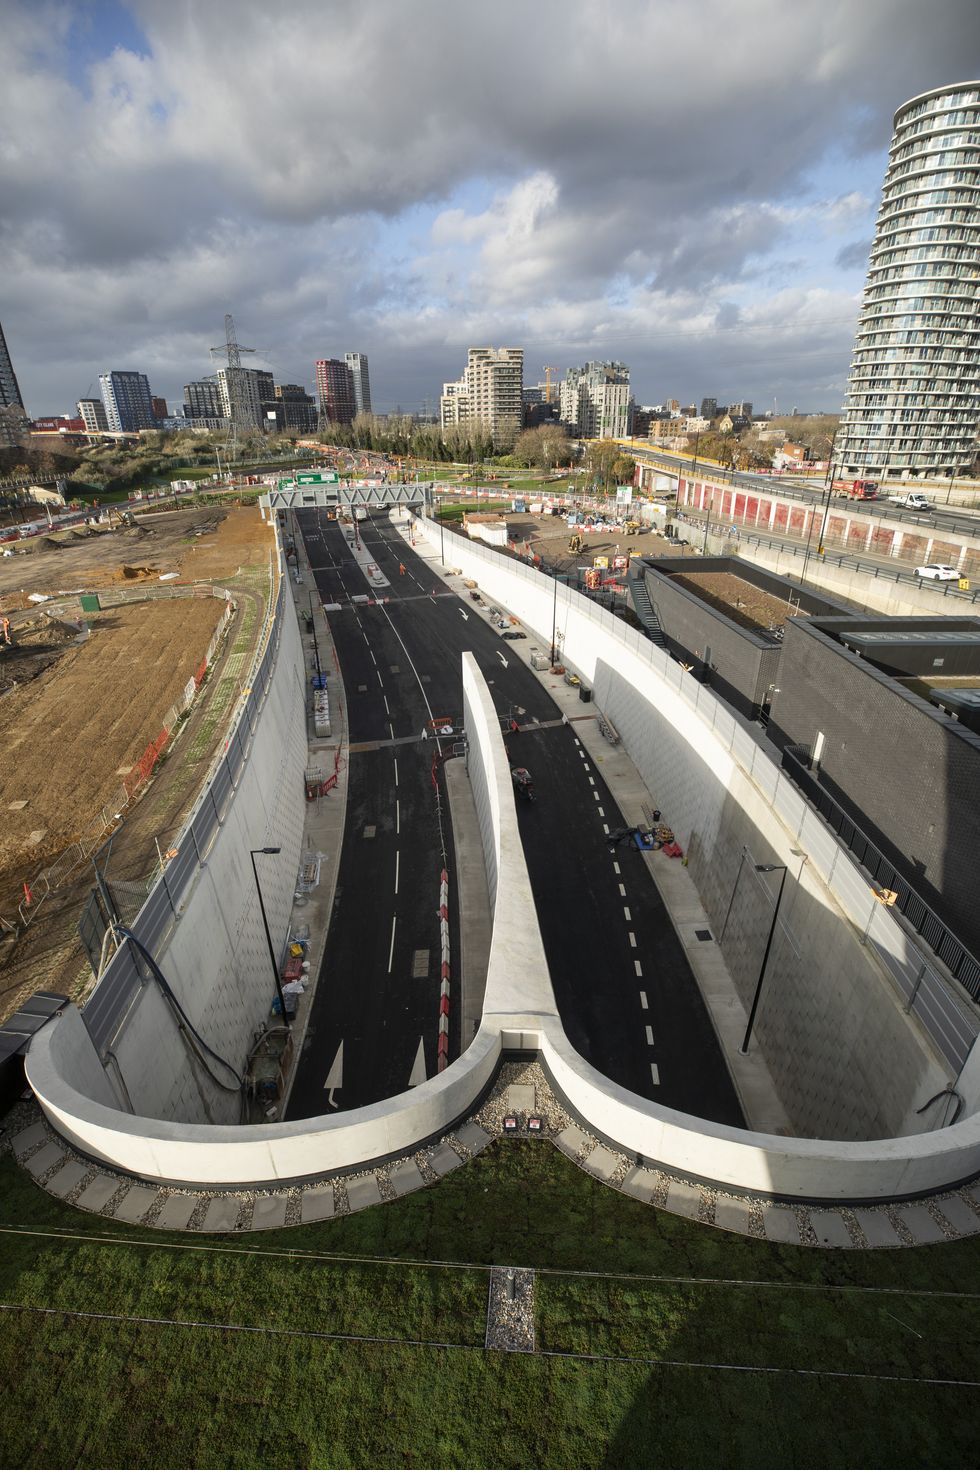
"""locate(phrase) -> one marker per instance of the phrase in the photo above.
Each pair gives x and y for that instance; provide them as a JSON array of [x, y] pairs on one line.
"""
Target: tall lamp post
[[253, 853], [764, 868]]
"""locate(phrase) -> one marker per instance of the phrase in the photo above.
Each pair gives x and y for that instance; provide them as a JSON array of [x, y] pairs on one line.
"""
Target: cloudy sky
[[689, 186]]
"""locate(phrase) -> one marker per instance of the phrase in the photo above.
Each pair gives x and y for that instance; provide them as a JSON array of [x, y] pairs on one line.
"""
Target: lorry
[[857, 489], [911, 501]]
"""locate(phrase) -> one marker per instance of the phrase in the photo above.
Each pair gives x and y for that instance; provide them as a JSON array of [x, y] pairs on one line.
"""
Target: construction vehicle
[[856, 489], [575, 544], [631, 528]]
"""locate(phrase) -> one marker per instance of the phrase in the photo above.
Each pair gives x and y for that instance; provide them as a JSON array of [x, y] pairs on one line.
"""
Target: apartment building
[[595, 400], [490, 393]]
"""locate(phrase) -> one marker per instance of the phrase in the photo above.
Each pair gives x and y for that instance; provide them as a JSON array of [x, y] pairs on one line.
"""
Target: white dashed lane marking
[[638, 967], [622, 888], [626, 915], [655, 1074], [601, 812], [649, 1031], [644, 1003], [632, 938]]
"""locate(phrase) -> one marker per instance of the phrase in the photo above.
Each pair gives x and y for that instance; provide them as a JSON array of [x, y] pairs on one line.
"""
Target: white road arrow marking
[[418, 1070], [464, 614], [335, 1077], [502, 659]]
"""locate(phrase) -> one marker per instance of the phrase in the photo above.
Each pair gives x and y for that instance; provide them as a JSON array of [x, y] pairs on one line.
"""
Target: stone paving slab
[[98, 1194], [269, 1212], [363, 1192], [877, 1227], [177, 1211], [26, 1139], [66, 1179], [830, 1229], [134, 1204], [732, 1214], [959, 1215], [473, 1137], [44, 1159], [222, 1213], [602, 1162], [444, 1159], [317, 1204], [923, 1227], [571, 1141], [640, 1183], [780, 1225], [520, 1097], [405, 1177], [683, 1199]]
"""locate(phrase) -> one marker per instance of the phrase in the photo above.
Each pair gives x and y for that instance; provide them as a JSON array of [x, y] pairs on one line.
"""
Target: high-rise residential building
[[913, 395], [296, 409], [358, 364], [741, 410], [709, 408], [252, 383], [159, 406], [128, 401], [202, 400], [92, 413], [595, 400], [490, 393], [335, 390]]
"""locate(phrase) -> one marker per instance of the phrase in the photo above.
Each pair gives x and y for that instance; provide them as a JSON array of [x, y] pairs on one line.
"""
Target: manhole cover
[[362, 689], [370, 830], [702, 934], [395, 668], [420, 964]]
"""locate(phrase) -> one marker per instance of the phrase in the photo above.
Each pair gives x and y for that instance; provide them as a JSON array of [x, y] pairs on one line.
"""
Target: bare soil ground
[[739, 600], [69, 735], [65, 742], [550, 537]]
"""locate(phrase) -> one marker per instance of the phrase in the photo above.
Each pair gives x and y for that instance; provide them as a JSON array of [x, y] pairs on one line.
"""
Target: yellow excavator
[[575, 544], [631, 528]]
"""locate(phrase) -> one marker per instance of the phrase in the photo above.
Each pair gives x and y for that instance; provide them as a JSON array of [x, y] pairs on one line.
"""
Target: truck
[[857, 489], [911, 501]]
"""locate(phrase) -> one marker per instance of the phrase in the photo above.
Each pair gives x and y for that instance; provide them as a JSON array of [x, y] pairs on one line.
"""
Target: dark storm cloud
[[244, 156]]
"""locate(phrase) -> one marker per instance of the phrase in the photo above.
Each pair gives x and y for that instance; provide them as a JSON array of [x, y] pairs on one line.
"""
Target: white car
[[937, 572]]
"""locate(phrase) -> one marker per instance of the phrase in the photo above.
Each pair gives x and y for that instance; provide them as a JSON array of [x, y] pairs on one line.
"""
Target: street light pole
[[253, 852], [707, 523], [764, 868], [554, 618]]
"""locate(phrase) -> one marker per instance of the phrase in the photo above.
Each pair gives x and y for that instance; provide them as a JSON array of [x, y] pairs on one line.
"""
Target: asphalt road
[[626, 995]]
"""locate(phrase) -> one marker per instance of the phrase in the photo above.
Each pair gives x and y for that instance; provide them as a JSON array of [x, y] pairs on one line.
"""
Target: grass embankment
[[746, 1338]]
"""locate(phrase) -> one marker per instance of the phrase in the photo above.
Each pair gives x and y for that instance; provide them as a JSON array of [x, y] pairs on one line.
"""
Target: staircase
[[643, 607]]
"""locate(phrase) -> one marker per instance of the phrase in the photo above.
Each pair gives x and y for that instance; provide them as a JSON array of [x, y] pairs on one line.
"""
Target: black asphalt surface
[[627, 998]]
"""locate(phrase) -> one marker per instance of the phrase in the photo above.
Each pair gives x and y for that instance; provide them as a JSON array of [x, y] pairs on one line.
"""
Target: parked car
[[937, 572], [513, 634]]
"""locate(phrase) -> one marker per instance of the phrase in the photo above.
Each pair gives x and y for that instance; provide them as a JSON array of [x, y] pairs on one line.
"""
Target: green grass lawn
[[185, 1389]]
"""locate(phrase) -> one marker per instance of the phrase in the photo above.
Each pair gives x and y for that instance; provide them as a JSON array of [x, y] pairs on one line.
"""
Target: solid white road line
[[649, 1031], [391, 952], [644, 1005], [655, 1074]]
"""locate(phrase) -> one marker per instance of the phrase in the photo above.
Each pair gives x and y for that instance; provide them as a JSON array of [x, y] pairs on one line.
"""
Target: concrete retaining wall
[[519, 1013]]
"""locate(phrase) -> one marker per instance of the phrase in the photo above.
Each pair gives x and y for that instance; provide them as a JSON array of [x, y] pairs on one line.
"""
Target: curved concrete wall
[[520, 1013]]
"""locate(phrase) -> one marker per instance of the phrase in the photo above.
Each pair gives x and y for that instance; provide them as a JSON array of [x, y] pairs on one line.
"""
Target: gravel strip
[[510, 1310]]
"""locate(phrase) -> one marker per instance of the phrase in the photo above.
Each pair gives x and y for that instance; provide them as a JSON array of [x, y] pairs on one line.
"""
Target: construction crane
[[547, 382], [238, 415]]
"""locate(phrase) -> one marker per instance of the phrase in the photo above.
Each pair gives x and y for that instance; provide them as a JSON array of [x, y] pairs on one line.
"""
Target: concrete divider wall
[[847, 1061]]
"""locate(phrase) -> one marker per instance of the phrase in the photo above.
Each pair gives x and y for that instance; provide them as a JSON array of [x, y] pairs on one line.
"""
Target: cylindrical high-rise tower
[[913, 396]]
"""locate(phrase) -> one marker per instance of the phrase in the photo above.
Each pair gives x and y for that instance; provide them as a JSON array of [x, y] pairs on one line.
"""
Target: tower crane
[[547, 382]]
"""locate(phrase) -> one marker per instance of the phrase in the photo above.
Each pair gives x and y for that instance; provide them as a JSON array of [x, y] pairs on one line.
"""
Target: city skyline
[[711, 229]]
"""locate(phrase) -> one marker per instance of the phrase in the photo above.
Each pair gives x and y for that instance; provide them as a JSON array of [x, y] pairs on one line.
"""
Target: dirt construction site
[[85, 691]]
